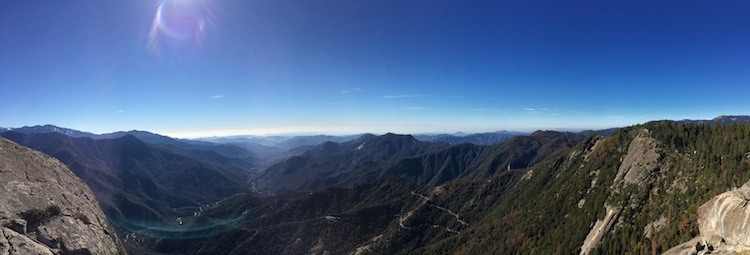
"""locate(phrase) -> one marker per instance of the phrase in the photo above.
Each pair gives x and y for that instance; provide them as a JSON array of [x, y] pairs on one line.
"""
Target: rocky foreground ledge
[[46, 209], [724, 224]]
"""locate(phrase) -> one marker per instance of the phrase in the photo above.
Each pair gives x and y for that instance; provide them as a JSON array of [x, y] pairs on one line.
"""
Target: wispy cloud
[[217, 96], [120, 111], [400, 96], [531, 110], [344, 92], [357, 89], [538, 110]]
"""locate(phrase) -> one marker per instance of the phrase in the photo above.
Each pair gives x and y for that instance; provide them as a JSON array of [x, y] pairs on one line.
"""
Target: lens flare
[[178, 28]]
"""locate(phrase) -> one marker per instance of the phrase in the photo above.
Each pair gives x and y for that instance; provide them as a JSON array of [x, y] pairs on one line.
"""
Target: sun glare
[[178, 28]]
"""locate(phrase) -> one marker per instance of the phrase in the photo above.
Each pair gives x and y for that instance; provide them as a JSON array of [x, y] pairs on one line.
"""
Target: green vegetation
[[541, 214], [36, 217], [703, 161]]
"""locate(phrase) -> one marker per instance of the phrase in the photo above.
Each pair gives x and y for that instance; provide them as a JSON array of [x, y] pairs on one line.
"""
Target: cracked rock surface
[[46, 209], [724, 224]]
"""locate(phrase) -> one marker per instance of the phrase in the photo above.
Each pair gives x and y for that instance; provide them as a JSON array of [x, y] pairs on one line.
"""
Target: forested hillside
[[649, 179]]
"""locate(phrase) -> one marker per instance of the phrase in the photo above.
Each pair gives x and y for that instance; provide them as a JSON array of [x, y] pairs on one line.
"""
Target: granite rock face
[[46, 209], [642, 159], [725, 219], [600, 229], [724, 224]]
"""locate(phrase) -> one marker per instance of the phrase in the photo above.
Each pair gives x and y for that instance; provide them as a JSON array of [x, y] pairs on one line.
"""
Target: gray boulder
[[46, 209], [724, 224], [725, 219]]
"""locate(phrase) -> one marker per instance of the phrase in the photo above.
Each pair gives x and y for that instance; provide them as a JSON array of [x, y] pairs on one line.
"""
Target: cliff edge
[[46, 209]]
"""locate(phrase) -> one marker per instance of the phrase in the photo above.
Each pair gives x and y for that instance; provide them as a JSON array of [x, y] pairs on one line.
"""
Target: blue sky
[[220, 67]]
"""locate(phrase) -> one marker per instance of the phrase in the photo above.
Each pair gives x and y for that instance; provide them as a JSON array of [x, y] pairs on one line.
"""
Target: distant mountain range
[[479, 138], [281, 142], [342, 164], [721, 119], [185, 144], [290, 142], [51, 129], [424, 163], [286, 143]]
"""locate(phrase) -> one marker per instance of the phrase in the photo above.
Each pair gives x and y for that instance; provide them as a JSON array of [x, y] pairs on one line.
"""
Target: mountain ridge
[[264, 140], [363, 160], [345, 164]]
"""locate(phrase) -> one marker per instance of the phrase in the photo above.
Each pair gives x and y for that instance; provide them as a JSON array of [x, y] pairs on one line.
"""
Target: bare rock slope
[[643, 158], [46, 209]]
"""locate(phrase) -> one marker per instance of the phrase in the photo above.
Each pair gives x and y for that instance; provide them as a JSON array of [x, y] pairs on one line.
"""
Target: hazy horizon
[[295, 132]]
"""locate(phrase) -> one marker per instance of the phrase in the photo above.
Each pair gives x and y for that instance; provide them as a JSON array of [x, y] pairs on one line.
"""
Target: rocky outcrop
[[642, 158], [725, 217], [691, 247], [600, 228], [724, 224], [654, 227], [723, 220], [46, 209]]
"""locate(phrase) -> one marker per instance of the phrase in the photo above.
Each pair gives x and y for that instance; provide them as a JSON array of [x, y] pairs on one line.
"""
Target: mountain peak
[[541, 133], [721, 119], [732, 118], [48, 128], [391, 136], [366, 137]]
